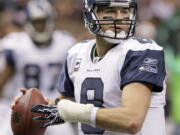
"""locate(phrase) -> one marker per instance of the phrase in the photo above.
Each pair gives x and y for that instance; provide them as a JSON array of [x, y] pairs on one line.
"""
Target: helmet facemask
[[116, 33]]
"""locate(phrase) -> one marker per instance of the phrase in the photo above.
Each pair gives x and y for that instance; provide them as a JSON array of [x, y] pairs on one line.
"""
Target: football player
[[35, 57], [116, 80]]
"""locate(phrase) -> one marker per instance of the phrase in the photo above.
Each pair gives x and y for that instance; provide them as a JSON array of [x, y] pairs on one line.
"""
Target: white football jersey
[[100, 82], [36, 67]]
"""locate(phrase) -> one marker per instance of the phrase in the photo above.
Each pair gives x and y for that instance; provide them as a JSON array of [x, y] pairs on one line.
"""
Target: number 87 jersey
[[36, 66], [99, 81]]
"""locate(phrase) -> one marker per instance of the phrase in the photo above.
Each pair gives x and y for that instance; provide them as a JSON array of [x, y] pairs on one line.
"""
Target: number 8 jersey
[[100, 81]]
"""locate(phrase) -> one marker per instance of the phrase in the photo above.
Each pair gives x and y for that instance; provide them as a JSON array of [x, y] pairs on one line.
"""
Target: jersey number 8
[[92, 93]]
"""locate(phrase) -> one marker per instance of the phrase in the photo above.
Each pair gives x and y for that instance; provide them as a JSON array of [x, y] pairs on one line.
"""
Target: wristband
[[76, 112], [93, 116]]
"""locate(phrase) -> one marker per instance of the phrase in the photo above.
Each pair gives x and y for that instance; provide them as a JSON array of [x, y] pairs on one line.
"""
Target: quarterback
[[117, 80]]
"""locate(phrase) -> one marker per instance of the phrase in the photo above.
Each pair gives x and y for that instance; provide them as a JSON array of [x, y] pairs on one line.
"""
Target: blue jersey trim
[[65, 85], [144, 66], [9, 55]]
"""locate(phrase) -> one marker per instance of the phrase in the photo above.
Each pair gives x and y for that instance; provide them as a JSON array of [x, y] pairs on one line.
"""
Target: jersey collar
[[94, 56]]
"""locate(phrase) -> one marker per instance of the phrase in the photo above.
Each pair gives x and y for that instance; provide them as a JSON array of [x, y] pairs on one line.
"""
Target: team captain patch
[[77, 63], [149, 65]]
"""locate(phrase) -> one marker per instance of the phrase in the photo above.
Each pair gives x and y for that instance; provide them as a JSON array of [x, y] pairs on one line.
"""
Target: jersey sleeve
[[145, 66], [65, 85], [9, 48], [9, 57]]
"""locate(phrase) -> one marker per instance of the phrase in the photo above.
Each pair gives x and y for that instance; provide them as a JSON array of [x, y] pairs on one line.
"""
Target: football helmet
[[94, 24], [40, 10]]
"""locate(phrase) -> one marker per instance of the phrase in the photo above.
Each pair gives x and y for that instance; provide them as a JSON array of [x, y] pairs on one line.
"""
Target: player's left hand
[[51, 114], [23, 91]]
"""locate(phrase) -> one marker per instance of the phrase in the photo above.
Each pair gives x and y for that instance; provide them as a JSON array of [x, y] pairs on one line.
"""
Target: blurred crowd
[[158, 20]]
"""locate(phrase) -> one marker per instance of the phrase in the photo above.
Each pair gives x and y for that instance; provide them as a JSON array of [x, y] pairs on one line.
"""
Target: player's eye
[[125, 11]]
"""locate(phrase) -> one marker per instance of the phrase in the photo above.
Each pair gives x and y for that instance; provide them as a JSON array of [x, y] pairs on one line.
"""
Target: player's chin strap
[[66, 110], [76, 112]]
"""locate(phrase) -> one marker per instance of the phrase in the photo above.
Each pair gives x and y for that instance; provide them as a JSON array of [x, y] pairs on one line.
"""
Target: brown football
[[21, 117]]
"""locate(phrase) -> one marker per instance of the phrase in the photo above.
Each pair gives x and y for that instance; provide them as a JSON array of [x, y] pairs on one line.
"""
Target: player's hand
[[51, 114], [23, 91]]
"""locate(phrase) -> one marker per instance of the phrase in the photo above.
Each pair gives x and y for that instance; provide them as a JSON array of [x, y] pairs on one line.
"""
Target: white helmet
[[40, 10]]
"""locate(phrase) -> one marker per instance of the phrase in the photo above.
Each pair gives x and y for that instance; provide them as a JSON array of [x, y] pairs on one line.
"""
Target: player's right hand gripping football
[[50, 112]]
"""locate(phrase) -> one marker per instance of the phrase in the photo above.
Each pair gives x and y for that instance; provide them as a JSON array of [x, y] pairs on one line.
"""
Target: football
[[21, 117]]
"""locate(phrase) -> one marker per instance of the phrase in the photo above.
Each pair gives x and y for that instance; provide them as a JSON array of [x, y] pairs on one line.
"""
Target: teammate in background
[[116, 80], [35, 57]]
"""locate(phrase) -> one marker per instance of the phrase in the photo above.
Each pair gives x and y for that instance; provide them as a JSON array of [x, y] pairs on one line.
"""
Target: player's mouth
[[118, 29]]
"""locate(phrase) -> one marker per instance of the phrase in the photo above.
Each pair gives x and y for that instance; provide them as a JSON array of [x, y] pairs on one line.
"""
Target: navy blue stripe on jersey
[[65, 85], [144, 66], [9, 55]]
